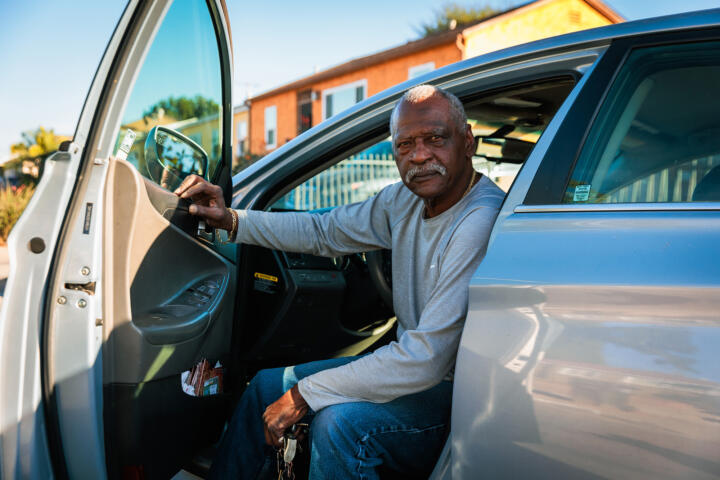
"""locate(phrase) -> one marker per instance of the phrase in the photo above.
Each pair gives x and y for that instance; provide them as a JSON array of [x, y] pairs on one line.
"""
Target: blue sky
[[190, 33], [49, 50]]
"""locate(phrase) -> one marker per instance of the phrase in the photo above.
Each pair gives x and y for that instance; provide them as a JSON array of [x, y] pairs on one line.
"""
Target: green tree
[[452, 15], [182, 108], [36, 146], [38, 143]]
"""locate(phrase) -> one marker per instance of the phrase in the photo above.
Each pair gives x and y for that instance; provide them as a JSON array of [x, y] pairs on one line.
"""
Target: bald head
[[422, 93]]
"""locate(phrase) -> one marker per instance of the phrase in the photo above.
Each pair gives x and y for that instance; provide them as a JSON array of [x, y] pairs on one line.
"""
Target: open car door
[[115, 290]]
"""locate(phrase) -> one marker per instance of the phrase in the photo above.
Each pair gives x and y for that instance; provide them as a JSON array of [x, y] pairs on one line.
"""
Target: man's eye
[[436, 138]]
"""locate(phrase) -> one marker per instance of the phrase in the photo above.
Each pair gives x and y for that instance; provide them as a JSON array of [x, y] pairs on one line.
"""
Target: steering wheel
[[379, 263]]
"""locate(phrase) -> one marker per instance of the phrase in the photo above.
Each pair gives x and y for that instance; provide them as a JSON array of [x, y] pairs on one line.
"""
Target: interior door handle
[[173, 208]]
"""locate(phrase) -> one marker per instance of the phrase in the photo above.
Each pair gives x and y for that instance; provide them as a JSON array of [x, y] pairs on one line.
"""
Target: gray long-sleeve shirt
[[432, 262]]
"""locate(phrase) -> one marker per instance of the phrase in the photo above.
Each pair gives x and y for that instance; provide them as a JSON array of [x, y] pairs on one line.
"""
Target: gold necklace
[[470, 185], [472, 180]]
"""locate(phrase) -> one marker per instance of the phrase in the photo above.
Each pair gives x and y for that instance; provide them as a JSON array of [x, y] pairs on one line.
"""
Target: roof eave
[[606, 10], [365, 62]]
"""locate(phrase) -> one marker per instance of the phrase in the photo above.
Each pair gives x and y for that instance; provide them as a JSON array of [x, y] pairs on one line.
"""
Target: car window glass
[[657, 136], [507, 124], [178, 88]]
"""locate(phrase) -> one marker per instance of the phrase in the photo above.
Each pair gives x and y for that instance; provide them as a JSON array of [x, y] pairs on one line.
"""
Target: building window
[[337, 99], [242, 132], [418, 70], [304, 102], [271, 127]]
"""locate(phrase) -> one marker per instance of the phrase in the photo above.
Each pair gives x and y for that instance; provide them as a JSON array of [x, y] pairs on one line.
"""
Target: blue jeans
[[348, 440]]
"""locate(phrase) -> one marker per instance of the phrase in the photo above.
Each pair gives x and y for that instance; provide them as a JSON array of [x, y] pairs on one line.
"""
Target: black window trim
[[223, 175]]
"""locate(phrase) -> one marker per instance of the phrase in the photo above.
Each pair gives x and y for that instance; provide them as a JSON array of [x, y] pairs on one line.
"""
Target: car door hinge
[[88, 288]]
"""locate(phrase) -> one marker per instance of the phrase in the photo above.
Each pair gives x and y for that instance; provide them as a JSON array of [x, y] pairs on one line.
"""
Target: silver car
[[592, 342]]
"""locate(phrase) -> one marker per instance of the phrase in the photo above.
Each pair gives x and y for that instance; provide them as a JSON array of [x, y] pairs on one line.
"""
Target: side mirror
[[171, 156]]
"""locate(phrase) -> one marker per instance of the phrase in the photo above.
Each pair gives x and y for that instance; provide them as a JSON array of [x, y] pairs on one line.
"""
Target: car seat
[[708, 190]]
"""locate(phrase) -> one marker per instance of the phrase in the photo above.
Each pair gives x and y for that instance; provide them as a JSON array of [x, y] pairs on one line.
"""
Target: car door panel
[[169, 302], [610, 357], [169, 289], [152, 432]]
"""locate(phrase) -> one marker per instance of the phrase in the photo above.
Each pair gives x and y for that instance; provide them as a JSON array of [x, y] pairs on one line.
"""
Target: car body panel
[[590, 346], [596, 356]]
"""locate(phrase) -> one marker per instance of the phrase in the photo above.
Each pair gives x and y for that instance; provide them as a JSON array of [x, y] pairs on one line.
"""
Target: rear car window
[[656, 138]]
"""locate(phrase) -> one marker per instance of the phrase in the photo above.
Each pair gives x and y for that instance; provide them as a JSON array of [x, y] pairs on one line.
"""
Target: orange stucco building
[[280, 114]]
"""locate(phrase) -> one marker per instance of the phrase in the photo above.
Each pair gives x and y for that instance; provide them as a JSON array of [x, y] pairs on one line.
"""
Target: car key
[[285, 455], [289, 447]]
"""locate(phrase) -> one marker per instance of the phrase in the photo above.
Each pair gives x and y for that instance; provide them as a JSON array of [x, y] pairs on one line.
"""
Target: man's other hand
[[283, 414], [207, 201]]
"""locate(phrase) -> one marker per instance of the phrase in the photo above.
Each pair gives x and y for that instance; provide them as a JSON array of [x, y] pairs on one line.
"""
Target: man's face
[[433, 157]]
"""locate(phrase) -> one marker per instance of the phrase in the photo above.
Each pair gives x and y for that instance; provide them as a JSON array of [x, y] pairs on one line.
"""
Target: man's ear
[[470, 146]]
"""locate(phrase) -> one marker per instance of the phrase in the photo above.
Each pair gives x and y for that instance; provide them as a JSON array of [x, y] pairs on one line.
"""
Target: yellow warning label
[[264, 276]]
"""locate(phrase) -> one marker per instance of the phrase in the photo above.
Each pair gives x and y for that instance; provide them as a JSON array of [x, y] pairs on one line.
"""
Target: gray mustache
[[422, 169]]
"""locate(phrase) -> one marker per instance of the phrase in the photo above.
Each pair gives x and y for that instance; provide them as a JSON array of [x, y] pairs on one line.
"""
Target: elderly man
[[392, 406]]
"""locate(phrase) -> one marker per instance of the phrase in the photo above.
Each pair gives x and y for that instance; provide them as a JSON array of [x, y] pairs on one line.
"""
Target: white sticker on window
[[126, 145], [582, 193]]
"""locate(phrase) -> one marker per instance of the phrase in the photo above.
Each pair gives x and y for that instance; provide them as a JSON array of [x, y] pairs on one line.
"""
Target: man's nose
[[421, 153]]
